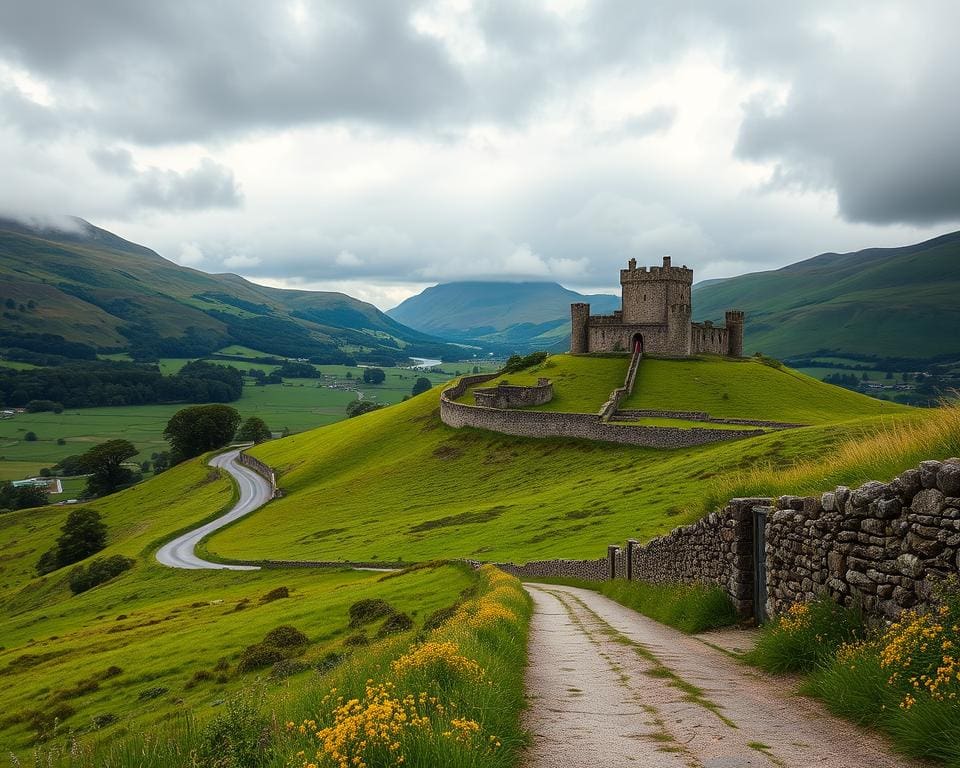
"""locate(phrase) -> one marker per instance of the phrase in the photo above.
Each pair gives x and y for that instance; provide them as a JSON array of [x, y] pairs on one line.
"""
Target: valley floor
[[608, 686]]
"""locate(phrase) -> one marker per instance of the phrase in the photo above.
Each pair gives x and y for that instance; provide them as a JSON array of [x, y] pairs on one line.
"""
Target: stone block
[[928, 473], [905, 598], [887, 509], [910, 483], [869, 491], [922, 546], [948, 479], [860, 581], [829, 501], [929, 501]]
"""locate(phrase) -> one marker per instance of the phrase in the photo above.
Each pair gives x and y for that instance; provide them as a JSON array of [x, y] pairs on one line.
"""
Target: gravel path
[[608, 687], [254, 492]]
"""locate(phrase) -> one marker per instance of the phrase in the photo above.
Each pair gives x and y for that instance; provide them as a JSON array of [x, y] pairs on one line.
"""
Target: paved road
[[254, 493], [609, 687]]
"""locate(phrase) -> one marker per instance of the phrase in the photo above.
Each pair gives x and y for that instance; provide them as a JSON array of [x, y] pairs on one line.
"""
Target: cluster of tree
[[201, 428], [83, 534], [360, 407], [298, 371], [262, 379], [104, 465], [24, 497], [254, 430], [420, 386], [518, 363], [46, 344], [111, 383], [99, 571], [373, 376], [846, 380]]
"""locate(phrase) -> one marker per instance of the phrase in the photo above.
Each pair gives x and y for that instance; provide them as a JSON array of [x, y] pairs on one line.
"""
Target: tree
[[421, 385], [104, 464], [83, 534], [200, 428], [373, 376], [254, 430], [30, 437], [24, 497], [360, 407]]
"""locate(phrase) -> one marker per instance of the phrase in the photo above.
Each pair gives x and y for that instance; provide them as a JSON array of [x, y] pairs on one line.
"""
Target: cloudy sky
[[379, 146]]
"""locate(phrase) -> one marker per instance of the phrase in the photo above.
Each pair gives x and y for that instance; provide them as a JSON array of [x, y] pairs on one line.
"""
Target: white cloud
[[190, 255], [241, 261]]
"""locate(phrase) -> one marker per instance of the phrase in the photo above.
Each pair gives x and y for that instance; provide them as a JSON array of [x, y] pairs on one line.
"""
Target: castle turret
[[734, 333], [660, 296], [579, 315]]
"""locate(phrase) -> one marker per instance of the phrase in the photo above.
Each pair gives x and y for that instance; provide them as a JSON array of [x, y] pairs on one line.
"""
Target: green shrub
[[152, 693], [102, 721], [517, 363], [365, 611], [440, 617], [357, 639], [395, 624], [98, 572], [331, 660], [287, 667], [275, 594], [806, 637], [258, 656], [285, 636]]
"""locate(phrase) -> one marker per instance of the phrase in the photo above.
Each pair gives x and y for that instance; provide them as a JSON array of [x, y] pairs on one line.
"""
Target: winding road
[[254, 492]]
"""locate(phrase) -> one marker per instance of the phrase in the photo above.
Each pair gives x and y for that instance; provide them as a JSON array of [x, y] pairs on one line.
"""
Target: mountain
[[895, 302], [517, 316], [93, 288]]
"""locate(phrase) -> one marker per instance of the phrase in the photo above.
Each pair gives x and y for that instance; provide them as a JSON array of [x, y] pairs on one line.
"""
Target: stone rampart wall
[[514, 396], [586, 426], [645, 413], [709, 339]]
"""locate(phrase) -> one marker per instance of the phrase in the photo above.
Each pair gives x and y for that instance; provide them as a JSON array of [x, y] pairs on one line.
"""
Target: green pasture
[[296, 405]]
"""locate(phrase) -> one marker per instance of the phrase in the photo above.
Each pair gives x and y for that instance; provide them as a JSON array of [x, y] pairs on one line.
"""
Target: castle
[[654, 319]]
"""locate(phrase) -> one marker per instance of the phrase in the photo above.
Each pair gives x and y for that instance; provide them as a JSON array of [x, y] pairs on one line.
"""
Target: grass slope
[[748, 389], [399, 484], [160, 625], [881, 301]]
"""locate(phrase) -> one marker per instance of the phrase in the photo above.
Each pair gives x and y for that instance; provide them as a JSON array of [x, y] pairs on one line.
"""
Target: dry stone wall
[[506, 395], [264, 470], [884, 546]]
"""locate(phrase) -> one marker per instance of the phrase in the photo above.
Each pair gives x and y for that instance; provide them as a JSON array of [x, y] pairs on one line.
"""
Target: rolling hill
[[898, 302], [514, 316], [91, 287]]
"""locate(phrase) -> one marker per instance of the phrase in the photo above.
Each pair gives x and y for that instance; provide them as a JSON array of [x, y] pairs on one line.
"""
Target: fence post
[[631, 546]]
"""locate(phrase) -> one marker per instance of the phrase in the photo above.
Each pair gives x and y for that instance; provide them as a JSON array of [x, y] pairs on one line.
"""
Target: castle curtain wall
[[707, 339]]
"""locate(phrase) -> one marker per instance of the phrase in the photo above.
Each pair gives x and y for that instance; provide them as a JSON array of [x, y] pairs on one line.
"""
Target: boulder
[[928, 473], [928, 502], [910, 483], [869, 491], [948, 479]]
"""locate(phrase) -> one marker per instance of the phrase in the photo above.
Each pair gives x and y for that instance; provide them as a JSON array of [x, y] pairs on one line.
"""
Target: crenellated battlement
[[656, 316]]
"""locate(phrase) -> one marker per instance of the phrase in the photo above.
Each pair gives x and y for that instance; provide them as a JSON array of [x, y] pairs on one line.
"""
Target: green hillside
[[748, 389], [92, 287], [399, 484], [898, 302], [512, 315]]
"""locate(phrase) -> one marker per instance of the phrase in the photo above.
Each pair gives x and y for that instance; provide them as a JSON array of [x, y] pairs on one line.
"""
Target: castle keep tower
[[655, 317]]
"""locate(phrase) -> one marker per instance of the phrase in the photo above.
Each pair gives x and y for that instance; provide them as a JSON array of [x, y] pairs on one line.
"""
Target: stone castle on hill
[[654, 319]]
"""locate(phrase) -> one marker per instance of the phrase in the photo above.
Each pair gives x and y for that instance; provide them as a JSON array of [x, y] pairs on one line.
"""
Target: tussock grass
[[690, 608], [879, 453]]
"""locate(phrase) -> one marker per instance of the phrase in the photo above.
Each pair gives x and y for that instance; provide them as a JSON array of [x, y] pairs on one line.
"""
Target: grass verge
[[690, 608], [902, 678]]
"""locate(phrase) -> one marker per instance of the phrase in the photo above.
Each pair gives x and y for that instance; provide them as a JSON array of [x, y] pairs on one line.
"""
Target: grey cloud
[[118, 161], [162, 72], [209, 185]]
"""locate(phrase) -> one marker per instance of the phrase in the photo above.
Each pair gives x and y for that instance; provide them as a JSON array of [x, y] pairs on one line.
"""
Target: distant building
[[654, 318], [50, 484]]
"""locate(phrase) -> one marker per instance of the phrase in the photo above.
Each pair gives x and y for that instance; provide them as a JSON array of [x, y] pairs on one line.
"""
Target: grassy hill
[[90, 286], [171, 639], [510, 315], [400, 484], [898, 302]]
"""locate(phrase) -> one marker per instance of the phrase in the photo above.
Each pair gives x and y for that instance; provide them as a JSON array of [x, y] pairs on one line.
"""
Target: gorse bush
[[285, 636], [99, 571], [806, 637], [518, 363]]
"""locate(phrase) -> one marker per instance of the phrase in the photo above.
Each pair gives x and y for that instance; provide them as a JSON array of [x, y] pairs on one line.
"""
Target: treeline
[[112, 383]]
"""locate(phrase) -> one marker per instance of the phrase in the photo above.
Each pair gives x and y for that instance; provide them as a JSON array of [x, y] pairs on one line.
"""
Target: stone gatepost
[[631, 546], [612, 551]]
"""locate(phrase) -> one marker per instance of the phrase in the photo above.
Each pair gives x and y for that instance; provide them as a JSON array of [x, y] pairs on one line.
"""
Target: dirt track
[[610, 687]]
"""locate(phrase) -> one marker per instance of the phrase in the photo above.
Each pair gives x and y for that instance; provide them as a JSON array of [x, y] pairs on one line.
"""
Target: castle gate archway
[[636, 343]]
